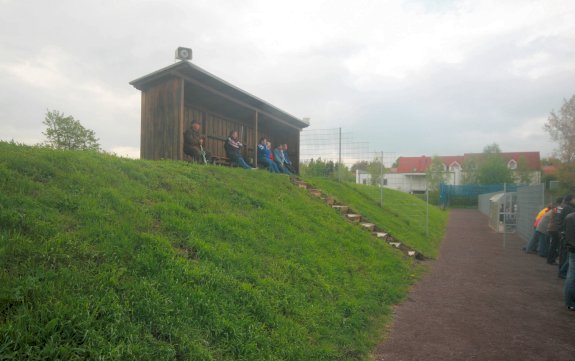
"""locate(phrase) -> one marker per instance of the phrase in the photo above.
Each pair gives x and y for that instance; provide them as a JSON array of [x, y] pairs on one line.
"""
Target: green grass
[[117, 259], [402, 215]]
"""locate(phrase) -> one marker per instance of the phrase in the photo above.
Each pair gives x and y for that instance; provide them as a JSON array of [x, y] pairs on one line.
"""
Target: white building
[[411, 172]]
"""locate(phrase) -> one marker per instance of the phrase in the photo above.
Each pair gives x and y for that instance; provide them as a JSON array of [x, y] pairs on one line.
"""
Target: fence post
[[381, 183], [426, 210], [505, 215], [339, 162]]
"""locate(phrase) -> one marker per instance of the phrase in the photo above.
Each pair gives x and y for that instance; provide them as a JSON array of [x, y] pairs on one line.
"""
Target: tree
[[359, 165], [561, 128], [523, 173], [65, 132], [374, 169], [492, 167], [469, 171], [435, 174]]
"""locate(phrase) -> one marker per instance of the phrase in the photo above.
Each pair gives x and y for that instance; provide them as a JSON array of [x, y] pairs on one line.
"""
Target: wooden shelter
[[177, 95]]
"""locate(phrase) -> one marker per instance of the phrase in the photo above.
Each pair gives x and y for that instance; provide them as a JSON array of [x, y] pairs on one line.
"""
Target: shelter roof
[[193, 74]]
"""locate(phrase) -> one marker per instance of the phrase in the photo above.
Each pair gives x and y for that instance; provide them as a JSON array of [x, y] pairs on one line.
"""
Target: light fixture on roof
[[183, 53]]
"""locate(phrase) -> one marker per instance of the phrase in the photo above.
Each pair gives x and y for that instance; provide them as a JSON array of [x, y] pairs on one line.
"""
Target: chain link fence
[[530, 200], [513, 209], [334, 153]]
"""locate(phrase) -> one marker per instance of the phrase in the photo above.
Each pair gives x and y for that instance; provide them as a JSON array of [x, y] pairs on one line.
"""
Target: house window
[[512, 164], [454, 167]]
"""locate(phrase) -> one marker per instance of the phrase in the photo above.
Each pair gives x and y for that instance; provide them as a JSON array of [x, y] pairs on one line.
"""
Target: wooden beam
[[180, 135], [232, 99]]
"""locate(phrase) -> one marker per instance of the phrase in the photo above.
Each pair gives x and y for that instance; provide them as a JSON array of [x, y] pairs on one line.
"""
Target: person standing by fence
[[568, 207], [570, 246], [553, 232], [531, 246]]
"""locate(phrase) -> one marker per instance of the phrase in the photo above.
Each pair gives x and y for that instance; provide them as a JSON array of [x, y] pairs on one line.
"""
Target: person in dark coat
[[569, 222], [194, 144], [233, 148], [553, 232], [568, 207]]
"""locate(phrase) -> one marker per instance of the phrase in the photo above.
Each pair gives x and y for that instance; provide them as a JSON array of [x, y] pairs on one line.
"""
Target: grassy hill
[[110, 258], [402, 215]]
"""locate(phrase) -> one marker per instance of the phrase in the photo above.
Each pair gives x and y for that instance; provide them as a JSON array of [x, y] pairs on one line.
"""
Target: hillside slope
[[403, 215], [104, 257]]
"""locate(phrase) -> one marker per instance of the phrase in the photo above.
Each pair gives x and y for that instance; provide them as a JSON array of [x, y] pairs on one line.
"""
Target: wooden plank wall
[[161, 132], [217, 128]]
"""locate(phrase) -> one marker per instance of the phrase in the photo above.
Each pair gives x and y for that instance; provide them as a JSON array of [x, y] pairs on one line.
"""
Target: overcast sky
[[413, 77]]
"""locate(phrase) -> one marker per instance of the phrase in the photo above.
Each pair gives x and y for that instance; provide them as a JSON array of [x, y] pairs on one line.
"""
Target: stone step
[[354, 217], [395, 244], [369, 226], [329, 200], [341, 209], [315, 192], [380, 234], [411, 253], [302, 185]]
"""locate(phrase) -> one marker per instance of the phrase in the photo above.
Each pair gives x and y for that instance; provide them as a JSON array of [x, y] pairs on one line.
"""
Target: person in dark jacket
[[568, 207], [569, 222], [233, 148], [194, 144], [553, 232]]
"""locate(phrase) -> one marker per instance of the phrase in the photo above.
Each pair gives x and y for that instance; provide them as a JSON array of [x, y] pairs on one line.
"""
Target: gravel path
[[481, 301]]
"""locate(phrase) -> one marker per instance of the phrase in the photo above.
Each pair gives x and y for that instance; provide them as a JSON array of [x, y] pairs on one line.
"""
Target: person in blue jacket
[[279, 159], [264, 156]]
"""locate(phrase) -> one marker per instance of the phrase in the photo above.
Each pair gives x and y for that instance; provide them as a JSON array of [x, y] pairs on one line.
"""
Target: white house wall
[[412, 182]]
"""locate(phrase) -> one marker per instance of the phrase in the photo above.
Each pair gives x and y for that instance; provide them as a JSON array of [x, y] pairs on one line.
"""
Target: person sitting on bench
[[233, 150], [264, 156], [288, 163], [280, 160], [194, 144]]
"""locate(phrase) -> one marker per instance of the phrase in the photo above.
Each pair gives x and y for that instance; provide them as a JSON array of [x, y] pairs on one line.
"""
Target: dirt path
[[481, 301]]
